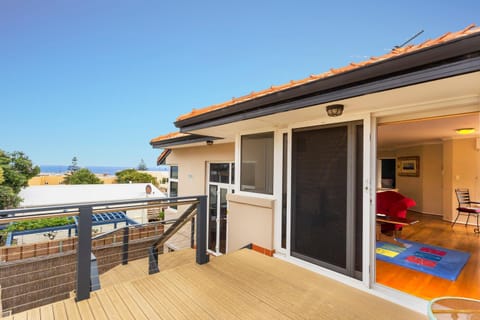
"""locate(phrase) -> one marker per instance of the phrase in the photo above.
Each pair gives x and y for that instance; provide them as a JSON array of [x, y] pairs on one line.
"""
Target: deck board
[[117, 303], [46, 312], [59, 310], [240, 285]]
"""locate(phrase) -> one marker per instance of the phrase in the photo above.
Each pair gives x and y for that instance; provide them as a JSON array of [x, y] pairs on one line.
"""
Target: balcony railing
[[53, 269]]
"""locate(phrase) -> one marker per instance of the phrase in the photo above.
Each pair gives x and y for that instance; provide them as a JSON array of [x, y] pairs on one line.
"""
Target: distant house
[[294, 169], [51, 195]]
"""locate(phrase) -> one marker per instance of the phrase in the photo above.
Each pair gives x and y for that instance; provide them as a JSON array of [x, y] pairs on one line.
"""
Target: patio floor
[[240, 285]]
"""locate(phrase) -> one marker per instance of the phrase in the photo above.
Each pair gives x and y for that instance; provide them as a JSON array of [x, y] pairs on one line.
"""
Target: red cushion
[[393, 204]]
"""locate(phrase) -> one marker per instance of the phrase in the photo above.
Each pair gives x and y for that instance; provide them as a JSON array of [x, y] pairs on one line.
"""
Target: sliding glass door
[[327, 196]]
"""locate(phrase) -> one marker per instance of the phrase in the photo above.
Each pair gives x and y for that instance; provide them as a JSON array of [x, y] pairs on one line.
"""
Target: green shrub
[[39, 224]]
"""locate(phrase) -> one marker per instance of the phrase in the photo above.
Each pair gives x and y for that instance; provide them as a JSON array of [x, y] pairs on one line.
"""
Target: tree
[[132, 175], [15, 171], [74, 166], [142, 166], [82, 176]]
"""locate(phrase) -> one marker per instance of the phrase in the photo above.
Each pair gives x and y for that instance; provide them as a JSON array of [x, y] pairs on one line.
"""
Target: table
[[381, 218], [454, 308]]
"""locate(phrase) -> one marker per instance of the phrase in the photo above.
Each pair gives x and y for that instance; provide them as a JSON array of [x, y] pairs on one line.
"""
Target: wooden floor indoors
[[241, 285], [434, 231]]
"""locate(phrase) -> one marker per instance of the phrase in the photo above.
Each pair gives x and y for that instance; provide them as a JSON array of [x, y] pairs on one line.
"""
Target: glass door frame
[[229, 187], [351, 185], [369, 183]]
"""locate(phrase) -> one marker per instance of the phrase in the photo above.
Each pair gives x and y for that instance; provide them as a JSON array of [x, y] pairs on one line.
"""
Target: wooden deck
[[240, 285]]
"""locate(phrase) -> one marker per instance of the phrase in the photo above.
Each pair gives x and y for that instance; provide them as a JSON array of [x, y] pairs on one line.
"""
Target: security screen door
[[326, 224]]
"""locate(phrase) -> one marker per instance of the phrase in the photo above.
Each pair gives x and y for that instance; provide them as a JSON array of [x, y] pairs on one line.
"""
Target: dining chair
[[466, 207]]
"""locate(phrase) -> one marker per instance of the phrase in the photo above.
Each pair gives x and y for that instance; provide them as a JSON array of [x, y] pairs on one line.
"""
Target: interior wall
[[411, 187], [427, 188], [432, 179], [462, 170]]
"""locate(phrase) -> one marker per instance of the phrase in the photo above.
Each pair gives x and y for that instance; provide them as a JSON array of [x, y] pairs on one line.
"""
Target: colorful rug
[[437, 261]]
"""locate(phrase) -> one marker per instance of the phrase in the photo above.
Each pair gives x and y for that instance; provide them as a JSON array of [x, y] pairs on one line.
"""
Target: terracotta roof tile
[[293, 83]]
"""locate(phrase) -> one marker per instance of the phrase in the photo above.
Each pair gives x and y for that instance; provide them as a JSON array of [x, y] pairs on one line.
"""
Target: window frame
[[170, 180], [240, 140]]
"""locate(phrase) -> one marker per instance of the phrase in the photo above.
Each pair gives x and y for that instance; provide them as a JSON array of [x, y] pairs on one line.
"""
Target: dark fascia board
[[423, 59], [440, 72], [163, 157], [192, 138]]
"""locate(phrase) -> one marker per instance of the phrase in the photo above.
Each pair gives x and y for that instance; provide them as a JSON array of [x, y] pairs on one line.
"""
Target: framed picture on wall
[[408, 166]]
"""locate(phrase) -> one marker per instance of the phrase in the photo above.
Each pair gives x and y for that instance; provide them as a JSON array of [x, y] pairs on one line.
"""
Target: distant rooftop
[[46, 195]]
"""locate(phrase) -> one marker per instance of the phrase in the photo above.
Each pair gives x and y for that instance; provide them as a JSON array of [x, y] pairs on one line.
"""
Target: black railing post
[[201, 254], [125, 245], [192, 233], [94, 277], [84, 252], [153, 260]]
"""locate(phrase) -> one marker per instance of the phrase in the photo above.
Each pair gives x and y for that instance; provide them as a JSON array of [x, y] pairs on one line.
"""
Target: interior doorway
[[443, 159]]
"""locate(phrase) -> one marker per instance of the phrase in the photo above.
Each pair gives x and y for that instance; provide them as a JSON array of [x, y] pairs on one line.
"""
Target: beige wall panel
[[250, 220], [192, 170], [192, 165]]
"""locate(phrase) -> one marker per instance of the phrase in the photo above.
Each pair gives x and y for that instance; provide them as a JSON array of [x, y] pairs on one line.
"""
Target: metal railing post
[[84, 252], [94, 277], [153, 260], [192, 233], [125, 245], [201, 254]]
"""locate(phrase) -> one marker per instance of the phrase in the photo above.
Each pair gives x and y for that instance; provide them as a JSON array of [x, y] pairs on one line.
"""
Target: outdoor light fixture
[[209, 142], [335, 110], [465, 130]]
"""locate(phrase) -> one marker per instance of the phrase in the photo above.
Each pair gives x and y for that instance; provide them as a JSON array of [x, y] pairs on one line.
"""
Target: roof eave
[[454, 50], [190, 139]]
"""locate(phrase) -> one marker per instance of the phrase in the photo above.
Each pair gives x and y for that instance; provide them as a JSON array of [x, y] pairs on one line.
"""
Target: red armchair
[[393, 204]]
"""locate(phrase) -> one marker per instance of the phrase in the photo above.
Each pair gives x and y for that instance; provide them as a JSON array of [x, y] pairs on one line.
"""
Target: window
[[256, 171], [219, 172], [173, 183]]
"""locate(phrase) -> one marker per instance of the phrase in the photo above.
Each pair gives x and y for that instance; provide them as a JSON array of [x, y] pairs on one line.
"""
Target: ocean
[[95, 169]]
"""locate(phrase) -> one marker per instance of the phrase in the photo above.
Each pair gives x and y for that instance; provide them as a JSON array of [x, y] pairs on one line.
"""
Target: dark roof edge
[[438, 72], [189, 139], [459, 48], [162, 158]]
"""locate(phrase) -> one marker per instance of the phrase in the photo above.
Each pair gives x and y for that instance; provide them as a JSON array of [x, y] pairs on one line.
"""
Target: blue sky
[[97, 79]]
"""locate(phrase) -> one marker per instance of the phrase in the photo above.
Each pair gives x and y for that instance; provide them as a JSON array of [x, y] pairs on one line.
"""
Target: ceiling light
[[335, 110], [465, 130]]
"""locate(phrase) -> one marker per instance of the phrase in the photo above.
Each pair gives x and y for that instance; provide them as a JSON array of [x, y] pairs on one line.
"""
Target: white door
[[220, 183]]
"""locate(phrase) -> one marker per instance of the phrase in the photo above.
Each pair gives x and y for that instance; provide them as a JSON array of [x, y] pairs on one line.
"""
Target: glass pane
[[233, 174], [173, 172], [173, 191], [257, 163], [212, 217], [219, 172], [223, 219], [319, 195]]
